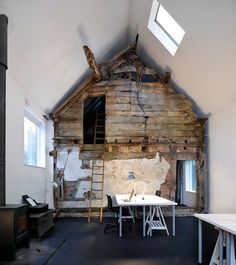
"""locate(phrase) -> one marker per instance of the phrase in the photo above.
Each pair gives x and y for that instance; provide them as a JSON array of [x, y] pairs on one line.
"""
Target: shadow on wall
[[108, 52], [148, 60]]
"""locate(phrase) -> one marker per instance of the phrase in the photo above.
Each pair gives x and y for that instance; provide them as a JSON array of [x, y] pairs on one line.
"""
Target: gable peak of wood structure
[[125, 65]]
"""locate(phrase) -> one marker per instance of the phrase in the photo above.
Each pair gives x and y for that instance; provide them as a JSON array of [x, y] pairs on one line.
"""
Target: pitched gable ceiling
[[46, 57], [46, 41], [203, 66]]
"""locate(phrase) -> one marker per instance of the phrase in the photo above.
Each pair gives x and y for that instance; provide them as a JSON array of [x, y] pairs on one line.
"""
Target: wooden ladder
[[97, 178]]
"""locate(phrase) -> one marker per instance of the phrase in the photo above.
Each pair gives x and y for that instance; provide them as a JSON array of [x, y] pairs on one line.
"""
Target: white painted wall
[[222, 162], [22, 179]]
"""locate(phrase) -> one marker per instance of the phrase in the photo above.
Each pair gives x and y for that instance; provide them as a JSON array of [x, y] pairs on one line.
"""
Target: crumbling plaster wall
[[150, 174]]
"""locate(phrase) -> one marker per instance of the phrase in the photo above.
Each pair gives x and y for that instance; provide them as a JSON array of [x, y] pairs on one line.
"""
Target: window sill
[[41, 167], [191, 191]]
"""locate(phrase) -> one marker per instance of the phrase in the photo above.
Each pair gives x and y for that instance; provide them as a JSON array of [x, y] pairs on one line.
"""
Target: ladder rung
[[97, 181], [94, 214], [99, 138], [97, 169]]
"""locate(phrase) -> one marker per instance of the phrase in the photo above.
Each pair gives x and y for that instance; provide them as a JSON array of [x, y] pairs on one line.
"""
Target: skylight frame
[[159, 30]]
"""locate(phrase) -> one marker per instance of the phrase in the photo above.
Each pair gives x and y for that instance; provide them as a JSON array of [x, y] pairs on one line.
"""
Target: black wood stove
[[14, 229]]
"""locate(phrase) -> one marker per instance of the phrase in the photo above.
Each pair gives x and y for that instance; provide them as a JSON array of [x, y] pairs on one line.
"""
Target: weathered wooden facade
[[144, 117]]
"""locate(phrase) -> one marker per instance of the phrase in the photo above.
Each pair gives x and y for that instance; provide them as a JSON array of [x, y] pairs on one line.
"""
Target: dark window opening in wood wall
[[94, 120]]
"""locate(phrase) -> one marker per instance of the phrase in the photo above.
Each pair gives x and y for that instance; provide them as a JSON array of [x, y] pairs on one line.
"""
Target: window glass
[[190, 175], [34, 142], [169, 24], [165, 28]]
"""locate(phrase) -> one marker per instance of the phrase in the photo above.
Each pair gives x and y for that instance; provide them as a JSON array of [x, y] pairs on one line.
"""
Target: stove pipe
[[3, 68]]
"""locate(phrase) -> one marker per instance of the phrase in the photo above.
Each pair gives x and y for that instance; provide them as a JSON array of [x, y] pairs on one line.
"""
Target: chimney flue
[[3, 68]]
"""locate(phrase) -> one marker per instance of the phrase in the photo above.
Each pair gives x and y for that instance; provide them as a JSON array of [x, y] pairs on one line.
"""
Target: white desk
[[224, 223], [146, 200]]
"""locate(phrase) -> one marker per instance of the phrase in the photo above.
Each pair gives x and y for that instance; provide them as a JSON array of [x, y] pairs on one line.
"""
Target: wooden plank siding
[[70, 123], [156, 113], [149, 110]]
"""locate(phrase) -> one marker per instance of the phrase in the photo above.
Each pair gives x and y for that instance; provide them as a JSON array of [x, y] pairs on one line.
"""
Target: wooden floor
[[75, 242]]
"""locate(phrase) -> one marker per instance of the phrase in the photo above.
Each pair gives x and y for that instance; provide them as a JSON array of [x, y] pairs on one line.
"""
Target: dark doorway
[[179, 182], [94, 120]]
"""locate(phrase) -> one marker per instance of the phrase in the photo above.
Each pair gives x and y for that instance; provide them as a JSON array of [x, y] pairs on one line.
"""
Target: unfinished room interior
[[117, 132]]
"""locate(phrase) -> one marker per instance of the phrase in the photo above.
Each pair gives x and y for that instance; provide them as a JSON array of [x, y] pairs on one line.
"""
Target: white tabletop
[[142, 200], [224, 221]]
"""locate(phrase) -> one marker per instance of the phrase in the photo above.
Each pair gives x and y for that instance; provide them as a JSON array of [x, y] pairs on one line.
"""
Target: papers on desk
[[30, 201], [125, 200]]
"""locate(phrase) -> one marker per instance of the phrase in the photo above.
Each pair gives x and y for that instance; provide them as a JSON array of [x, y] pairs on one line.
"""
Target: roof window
[[165, 28]]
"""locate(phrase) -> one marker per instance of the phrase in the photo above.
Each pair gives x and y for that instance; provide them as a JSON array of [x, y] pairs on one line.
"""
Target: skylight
[[165, 28]]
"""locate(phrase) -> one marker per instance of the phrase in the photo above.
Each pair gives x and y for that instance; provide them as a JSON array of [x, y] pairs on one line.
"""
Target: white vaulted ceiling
[[46, 58]]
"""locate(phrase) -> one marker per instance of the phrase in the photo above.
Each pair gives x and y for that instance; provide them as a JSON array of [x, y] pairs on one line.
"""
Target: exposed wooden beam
[[92, 64], [166, 77]]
